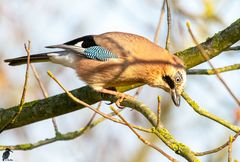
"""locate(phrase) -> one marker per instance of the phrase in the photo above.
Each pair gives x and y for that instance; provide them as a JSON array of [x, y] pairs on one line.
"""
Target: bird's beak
[[175, 97]]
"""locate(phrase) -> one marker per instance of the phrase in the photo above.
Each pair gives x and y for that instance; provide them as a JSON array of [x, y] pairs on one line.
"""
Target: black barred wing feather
[[87, 47]]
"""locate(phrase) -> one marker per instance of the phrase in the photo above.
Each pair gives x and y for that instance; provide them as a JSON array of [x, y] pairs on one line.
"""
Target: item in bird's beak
[[175, 97]]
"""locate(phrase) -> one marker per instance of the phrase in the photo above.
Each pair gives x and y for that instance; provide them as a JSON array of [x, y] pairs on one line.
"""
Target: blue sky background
[[47, 22]]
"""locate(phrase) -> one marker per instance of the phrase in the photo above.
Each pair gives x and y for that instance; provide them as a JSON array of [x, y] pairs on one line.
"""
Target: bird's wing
[[87, 47]]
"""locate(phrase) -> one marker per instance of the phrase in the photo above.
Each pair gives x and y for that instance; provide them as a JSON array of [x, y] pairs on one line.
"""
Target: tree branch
[[211, 71], [212, 46], [57, 102], [61, 104]]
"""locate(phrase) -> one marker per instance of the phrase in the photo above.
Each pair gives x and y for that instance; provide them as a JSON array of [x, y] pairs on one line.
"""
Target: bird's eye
[[178, 78]]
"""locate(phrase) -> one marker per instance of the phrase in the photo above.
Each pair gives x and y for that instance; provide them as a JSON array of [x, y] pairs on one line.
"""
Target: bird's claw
[[110, 103], [119, 100], [122, 96]]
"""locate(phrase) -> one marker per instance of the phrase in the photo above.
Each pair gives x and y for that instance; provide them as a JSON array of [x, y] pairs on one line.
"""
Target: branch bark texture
[[212, 46]]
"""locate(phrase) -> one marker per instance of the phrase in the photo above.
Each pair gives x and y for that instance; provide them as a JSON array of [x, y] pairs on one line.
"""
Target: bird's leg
[[120, 95], [112, 89]]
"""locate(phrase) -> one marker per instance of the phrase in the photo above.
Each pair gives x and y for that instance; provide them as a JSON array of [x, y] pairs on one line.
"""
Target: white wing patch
[[66, 59], [79, 44]]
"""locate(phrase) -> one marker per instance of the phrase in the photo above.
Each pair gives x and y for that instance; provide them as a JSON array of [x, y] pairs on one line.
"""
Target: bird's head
[[8, 150], [172, 78], [174, 84]]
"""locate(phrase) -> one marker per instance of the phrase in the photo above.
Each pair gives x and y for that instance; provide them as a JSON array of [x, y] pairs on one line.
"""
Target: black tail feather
[[42, 57]]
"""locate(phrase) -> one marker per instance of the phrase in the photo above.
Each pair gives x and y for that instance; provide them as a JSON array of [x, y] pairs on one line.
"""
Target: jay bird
[[115, 59]]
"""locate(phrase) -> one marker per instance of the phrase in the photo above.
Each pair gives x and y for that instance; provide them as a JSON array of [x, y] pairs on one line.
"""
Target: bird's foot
[[120, 99], [121, 96]]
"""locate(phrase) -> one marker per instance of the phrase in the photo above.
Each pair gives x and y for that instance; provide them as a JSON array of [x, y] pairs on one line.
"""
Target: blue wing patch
[[99, 53]]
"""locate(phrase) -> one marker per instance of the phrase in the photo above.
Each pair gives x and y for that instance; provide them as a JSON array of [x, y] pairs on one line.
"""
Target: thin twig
[[92, 117], [211, 65], [211, 71], [141, 138], [218, 148], [36, 75], [45, 94], [156, 38], [207, 114], [158, 29], [169, 25], [55, 126], [159, 111], [27, 48], [75, 99], [61, 137], [230, 149], [157, 32]]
